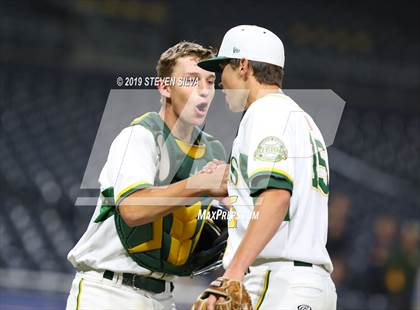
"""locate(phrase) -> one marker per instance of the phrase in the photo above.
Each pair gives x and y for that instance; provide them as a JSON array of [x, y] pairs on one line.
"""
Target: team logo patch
[[271, 149], [304, 307]]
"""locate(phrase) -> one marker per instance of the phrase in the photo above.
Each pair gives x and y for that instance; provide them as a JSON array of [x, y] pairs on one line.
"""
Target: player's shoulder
[[275, 103], [149, 124], [140, 129], [272, 108], [150, 121]]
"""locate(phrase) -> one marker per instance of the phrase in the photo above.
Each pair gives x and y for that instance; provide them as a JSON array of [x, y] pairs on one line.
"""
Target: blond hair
[[169, 57]]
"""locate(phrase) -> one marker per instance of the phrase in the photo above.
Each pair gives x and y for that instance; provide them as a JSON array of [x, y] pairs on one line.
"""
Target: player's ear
[[164, 88], [244, 67]]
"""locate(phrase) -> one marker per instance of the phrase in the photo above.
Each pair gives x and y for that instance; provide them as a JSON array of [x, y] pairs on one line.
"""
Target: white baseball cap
[[249, 42]]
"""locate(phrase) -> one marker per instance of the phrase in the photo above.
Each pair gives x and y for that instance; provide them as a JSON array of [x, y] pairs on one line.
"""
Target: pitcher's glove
[[234, 293]]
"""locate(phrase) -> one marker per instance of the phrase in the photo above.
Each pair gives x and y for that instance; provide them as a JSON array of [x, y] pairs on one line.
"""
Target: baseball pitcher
[[278, 185]]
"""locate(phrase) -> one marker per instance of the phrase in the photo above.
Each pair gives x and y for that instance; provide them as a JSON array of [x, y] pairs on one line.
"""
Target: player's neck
[[178, 128], [257, 91]]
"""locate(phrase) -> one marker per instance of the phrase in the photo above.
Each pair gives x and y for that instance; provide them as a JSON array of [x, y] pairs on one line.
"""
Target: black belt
[[296, 263], [301, 264], [144, 283]]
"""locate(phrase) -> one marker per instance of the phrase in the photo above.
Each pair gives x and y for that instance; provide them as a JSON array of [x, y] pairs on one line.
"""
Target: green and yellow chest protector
[[166, 244]]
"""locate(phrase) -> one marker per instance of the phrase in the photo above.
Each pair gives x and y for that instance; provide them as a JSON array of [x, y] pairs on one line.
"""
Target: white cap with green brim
[[249, 42]]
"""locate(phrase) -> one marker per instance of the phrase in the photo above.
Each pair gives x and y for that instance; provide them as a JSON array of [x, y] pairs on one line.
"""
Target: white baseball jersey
[[279, 146], [144, 155], [131, 165]]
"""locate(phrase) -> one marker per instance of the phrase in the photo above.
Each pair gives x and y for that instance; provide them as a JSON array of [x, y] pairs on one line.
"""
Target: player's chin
[[199, 121]]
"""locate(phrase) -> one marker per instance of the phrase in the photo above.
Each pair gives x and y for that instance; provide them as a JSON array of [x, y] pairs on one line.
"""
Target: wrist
[[235, 274], [197, 183]]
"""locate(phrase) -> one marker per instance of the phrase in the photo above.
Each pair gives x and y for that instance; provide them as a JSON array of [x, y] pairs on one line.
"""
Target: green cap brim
[[212, 64]]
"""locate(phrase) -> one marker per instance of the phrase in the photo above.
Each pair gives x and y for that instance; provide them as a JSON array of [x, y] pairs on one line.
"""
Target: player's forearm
[[272, 206], [146, 205]]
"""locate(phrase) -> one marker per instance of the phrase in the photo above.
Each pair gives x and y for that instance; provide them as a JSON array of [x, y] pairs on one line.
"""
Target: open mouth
[[202, 107]]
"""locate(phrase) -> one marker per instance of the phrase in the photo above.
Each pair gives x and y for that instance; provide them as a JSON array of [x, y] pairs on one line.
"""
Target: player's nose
[[204, 90]]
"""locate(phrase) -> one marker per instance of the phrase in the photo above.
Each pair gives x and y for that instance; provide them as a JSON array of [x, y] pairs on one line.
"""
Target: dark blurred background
[[59, 59]]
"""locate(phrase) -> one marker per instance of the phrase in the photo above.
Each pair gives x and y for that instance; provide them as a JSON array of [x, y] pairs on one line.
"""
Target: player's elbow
[[127, 215], [133, 215], [133, 212]]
